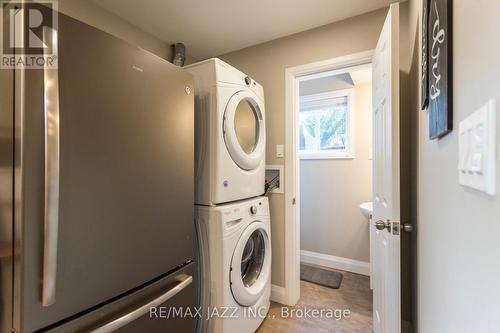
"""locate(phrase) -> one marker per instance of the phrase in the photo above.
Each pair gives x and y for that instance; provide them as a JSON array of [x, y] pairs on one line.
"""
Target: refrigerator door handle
[[184, 281], [51, 205]]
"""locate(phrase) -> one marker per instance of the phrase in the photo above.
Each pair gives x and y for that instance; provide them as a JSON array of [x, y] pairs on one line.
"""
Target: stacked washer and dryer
[[232, 215]]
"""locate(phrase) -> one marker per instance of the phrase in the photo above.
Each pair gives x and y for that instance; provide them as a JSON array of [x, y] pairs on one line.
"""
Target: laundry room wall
[[267, 62], [332, 189], [457, 228], [91, 13]]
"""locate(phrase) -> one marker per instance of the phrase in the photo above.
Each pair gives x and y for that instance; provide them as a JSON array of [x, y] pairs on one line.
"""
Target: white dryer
[[235, 244], [230, 133]]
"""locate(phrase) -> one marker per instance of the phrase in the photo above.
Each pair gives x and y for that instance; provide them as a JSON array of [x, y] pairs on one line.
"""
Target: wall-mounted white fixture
[[476, 145], [366, 209], [274, 174]]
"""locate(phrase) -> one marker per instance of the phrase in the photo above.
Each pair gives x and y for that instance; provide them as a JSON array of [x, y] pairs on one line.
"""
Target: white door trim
[[292, 211]]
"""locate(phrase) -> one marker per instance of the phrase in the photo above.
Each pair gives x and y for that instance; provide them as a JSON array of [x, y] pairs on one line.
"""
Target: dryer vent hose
[[179, 54]]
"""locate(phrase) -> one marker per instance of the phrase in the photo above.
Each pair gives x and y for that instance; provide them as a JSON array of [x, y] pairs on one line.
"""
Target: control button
[[248, 80], [253, 209]]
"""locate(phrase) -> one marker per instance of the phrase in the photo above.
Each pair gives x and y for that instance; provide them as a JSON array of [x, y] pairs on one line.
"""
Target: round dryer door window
[[251, 265], [244, 131], [246, 126]]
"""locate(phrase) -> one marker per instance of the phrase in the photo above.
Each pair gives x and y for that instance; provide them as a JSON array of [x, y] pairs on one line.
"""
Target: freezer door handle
[[51, 205], [184, 281]]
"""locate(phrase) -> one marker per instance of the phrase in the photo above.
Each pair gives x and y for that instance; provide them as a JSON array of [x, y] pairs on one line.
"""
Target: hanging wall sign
[[440, 68], [424, 98]]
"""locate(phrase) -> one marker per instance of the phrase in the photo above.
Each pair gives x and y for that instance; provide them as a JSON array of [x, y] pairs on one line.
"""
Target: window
[[324, 125]]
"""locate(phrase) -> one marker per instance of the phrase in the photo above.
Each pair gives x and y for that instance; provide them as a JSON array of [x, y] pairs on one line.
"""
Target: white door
[[386, 256]]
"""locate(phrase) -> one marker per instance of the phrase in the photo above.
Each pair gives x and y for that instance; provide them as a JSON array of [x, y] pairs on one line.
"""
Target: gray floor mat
[[321, 276]]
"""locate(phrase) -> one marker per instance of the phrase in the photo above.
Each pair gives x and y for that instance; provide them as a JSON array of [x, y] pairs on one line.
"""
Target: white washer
[[230, 133], [235, 244]]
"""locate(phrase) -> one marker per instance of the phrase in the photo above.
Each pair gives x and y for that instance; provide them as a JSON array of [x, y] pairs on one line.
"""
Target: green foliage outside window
[[332, 128]]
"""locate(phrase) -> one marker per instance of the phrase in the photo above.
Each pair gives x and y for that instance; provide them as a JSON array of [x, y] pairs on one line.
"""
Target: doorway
[[339, 146], [387, 226], [335, 175], [335, 169]]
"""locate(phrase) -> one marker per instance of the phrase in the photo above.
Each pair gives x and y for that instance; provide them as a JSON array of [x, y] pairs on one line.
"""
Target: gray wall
[[91, 13], [331, 191], [458, 229], [267, 62]]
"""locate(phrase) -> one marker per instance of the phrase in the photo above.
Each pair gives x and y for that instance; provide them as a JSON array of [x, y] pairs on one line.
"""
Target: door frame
[[322, 68]]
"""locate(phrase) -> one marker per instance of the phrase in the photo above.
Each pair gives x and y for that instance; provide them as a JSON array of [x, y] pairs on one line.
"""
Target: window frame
[[328, 154]]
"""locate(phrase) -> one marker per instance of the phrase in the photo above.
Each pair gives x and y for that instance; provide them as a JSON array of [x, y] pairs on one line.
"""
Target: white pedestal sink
[[366, 209]]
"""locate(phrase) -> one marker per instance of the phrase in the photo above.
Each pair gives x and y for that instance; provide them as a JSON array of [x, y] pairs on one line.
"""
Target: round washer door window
[[244, 131], [251, 265]]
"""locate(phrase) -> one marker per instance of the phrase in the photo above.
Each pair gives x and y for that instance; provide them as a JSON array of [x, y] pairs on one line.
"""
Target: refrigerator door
[[6, 196], [166, 305], [122, 163]]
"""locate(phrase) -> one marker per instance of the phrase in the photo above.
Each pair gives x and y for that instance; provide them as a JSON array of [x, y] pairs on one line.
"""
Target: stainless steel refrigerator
[[96, 196]]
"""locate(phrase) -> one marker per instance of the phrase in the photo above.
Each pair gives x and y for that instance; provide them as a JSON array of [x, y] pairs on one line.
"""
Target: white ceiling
[[214, 27], [362, 75], [325, 84]]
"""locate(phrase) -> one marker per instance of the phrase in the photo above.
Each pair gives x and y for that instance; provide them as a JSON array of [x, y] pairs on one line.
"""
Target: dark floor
[[354, 294]]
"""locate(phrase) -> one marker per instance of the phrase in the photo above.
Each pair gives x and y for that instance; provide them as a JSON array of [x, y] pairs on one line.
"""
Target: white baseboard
[[344, 264], [278, 294]]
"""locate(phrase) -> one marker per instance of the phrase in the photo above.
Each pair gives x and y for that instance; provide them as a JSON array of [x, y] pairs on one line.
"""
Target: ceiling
[[362, 75], [325, 83], [214, 27]]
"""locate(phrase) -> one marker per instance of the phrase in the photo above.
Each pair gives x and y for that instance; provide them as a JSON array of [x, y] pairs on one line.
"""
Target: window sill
[[326, 156]]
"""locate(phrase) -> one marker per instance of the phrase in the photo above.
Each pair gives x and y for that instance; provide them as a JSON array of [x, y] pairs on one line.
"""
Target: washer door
[[251, 264], [244, 131]]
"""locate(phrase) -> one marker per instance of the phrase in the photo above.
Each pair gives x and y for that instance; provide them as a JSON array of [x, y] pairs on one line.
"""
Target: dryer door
[[251, 264], [244, 131]]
